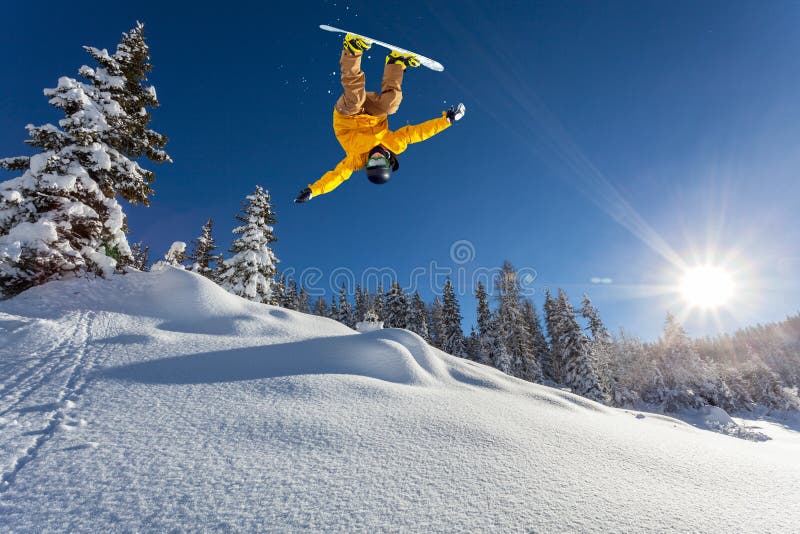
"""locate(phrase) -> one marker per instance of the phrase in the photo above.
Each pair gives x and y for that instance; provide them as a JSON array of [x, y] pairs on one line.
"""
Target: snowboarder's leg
[[391, 95], [352, 100]]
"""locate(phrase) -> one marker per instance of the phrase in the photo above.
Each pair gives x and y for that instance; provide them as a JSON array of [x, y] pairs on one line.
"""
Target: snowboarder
[[360, 120]]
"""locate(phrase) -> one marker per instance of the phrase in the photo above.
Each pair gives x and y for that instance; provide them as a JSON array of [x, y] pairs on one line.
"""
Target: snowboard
[[425, 61]]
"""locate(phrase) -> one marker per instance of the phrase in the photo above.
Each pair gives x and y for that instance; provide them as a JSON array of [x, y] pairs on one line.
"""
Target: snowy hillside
[[157, 401]]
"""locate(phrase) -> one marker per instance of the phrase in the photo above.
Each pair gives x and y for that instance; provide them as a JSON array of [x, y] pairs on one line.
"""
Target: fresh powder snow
[[159, 402]]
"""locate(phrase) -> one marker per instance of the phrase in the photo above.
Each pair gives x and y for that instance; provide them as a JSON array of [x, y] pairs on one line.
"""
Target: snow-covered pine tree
[[250, 272], [512, 326], [553, 366], [396, 309], [472, 345], [54, 219], [538, 342], [688, 380], [202, 252], [496, 348], [635, 371], [600, 346], [418, 317], [573, 348], [279, 291], [123, 75], [139, 253], [592, 315], [436, 325], [176, 255], [291, 299], [321, 307], [344, 313], [484, 350], [61, 216], [451, 319], [765, 387], [303, 303], [361, 303], [370, 323], [483, 311], [333, 313], [378, 303]]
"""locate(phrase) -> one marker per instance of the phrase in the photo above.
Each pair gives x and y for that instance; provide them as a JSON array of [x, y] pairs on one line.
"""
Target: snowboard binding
[[406, 60], [355, 44]]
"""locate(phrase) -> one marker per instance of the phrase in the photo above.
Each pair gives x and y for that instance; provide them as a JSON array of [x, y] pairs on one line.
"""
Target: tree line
[[754, 369]]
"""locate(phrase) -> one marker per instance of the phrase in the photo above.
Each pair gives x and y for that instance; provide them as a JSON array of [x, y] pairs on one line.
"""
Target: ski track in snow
[[72, 354], [49, 362]]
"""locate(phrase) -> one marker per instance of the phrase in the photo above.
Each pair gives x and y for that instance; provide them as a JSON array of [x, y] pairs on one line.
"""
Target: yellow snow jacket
[[358, 134]]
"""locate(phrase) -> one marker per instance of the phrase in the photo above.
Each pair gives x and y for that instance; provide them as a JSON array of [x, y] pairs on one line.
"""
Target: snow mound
[[178, 301], [159, 402]]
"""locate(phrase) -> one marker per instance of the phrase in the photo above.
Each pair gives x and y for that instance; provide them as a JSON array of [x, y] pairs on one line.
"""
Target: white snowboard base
[[426, 61]]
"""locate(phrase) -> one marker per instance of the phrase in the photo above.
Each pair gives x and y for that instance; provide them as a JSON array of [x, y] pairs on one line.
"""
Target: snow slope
[[157, 401]]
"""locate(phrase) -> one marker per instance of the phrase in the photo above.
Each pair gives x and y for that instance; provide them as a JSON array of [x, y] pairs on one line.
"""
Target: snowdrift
[[157, 401]]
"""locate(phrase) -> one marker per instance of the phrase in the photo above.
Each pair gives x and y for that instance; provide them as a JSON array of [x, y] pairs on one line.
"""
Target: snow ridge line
[[70, 392]]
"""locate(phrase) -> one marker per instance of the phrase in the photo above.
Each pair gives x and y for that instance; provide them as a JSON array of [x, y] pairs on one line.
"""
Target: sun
[[707, 287]]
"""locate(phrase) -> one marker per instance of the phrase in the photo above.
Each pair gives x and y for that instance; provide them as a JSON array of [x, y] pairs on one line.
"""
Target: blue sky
[[608, 140]]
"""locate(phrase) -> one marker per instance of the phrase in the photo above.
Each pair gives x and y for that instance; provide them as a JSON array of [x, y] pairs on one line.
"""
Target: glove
[[304, 196], [455, 113]]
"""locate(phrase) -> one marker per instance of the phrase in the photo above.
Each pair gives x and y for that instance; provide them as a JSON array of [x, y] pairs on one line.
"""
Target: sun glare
[[707, 287]]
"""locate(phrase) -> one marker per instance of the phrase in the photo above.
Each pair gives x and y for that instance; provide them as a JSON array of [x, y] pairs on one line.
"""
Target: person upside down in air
[[360, 121]]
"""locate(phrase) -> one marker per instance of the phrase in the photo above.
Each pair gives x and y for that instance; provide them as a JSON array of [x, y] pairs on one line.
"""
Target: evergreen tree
[[55, 220], [334, 311], [139, 253], [636, 374], [513, 330], [552, 367], [345, 311], [472, 346], [303, 304], [436, 325], [396, 308], [600, 346], [123, 76], [484, 313], [496, 348], [362, 303], [291, 298], [451, 319], [378, 303], [573, 350], [321, 308], [250, 272], [279, 291], [418, 317], [764, 386], [176, 255], [596, 327], [688, 380], [538, 342], [61, 216], [483, 351], [202, 252], [219, 268]]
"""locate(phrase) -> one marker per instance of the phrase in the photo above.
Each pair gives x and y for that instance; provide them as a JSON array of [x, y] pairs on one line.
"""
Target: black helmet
[[379, 175], [379, 169]]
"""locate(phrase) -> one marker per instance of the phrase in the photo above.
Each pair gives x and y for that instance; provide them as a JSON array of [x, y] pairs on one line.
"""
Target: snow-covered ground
[[157, 401]]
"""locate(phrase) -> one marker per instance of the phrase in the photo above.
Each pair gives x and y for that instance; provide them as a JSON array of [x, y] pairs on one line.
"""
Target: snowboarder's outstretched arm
[[333, 179], [399, 140]]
